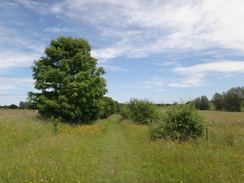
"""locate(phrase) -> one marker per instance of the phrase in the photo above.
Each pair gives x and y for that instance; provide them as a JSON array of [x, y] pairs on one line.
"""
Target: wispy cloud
[[15, 83], [42, 8], [58, 30], [196, 75], [11, 58], [112, 68], [154, 81], [164, 25], [161, 90], [221, 66]]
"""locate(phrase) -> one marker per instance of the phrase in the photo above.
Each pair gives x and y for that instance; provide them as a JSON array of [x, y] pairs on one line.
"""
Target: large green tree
[[70, 84]]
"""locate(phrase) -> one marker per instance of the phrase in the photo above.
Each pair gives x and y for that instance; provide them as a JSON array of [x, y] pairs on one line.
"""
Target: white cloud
[[11, 58], [195, 75], [153, 82], [106, 53], [35, 6], [221, 66], [191, 80], [112, 68], [161, 90], [168, 25], [15, 83], [58, 30], [16, 50]]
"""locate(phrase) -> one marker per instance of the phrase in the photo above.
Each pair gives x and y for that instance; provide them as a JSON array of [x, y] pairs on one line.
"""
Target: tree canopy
[[70, 84], [232, 100], [202, 103]]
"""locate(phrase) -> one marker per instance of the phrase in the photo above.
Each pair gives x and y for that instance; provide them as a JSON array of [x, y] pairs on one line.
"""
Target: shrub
[[125, 112], [156, 131], [181, 122], [142, 111]]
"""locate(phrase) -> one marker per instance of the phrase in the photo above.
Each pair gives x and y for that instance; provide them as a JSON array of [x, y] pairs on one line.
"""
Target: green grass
[[115, 150]]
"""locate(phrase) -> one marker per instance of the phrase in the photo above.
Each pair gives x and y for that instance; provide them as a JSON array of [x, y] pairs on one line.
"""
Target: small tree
[[70, 84]]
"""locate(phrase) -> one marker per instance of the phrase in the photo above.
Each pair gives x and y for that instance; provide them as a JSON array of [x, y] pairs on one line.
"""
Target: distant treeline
[[232, 100], [22, 105]]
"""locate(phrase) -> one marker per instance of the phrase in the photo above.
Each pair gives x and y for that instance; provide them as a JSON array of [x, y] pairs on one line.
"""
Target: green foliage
[[242, 106], [157, 131], [70, 83], [22, 105], [56, 122], [218, 101], [181, 122], [231, 100], [109, 107], [202, 103], [125, 111], [142, 111], [13, 106]]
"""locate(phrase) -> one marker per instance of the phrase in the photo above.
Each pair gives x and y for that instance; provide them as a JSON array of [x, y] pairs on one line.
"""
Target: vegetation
[[12, 106], [109, 107], [232, 100], [23, 105], [202, 103], [140, 111], [125, 112], [72, 90], [181, 122], [115, 150], [70, 83]]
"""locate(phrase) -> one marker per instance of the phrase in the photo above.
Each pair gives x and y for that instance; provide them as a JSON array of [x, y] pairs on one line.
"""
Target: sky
[[162, 50]]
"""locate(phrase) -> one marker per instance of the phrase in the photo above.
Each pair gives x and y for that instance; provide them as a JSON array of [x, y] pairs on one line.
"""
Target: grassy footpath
[[115, 150]]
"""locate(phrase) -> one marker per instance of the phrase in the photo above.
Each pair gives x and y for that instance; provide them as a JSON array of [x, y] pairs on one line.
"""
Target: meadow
[[116, 150]]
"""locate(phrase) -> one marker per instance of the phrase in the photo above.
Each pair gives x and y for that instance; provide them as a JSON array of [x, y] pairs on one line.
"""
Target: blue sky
[[162, 50]]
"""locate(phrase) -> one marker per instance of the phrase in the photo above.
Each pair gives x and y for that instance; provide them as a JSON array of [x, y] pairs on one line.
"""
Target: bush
[[142, 111], [125, 112], [181, 122]]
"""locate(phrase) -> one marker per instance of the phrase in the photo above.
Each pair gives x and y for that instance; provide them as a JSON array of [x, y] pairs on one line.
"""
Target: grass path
[[121, 157]]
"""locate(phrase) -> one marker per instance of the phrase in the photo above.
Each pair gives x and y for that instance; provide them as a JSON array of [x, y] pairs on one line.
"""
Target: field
[[116, 150]]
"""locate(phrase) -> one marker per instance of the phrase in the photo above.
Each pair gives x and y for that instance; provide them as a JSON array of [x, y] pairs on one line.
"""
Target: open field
[[115, 150]]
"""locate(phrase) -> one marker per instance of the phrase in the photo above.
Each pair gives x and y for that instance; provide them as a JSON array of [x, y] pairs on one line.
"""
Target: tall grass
[[115, 150]]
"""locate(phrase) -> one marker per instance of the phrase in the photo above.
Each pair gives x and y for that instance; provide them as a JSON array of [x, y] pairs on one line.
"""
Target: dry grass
[[222, 116]]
